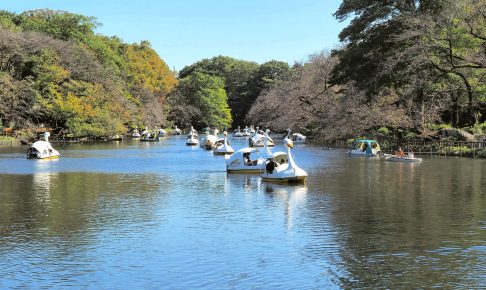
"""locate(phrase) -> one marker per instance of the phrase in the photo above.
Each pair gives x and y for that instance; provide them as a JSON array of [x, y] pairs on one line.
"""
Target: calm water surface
[[163, 215]]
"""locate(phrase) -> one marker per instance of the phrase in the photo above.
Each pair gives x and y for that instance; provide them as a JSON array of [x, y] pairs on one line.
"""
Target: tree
[[238, 78], [207, 94], [55, 71], [309, 102], [419, 51]]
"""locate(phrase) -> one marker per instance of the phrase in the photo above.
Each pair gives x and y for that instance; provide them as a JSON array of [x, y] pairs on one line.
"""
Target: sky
[[185, 31]]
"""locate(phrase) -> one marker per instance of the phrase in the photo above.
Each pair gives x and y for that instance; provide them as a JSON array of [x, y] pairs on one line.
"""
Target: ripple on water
[[168, 216]]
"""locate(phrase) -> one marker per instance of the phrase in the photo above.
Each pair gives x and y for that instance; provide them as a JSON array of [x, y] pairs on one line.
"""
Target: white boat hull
[[285, 174], [363, 154], [394, 158]]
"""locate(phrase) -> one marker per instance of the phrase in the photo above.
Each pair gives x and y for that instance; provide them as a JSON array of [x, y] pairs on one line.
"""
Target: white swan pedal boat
[[209, 142], [237, 133], [285, 172], [298, 138], [192, 140], [42, 149], [223, 147], [257, 140]]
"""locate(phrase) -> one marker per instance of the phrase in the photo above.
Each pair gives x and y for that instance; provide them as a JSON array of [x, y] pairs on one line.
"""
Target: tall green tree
[[205, 92], [238, 77]]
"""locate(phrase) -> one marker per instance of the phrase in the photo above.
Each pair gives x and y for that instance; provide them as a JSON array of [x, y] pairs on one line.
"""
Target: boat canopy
[[364, 143], [246, 150]]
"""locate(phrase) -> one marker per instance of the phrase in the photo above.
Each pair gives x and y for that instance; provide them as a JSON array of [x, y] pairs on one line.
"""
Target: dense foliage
[[55, 71], [404, 65], [201, 101], [243, 81]]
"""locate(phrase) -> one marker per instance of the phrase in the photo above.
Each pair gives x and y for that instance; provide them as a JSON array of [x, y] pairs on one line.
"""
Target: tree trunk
[[470, 116]]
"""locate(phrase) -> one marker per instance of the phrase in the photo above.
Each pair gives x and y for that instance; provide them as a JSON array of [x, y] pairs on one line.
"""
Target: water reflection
[[63, 203], [247, 182], [293, 196], [163, 215], [403, 222]]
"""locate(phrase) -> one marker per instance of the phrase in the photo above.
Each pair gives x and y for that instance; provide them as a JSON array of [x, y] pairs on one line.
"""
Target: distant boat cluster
[[272, 166]]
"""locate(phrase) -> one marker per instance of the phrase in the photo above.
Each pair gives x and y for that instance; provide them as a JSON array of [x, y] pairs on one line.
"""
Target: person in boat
[[400, 152], [365, 146], [248, 161], [271, 165]]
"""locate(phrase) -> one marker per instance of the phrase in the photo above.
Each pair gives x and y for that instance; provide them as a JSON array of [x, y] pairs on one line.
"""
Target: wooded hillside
[[55, 71]]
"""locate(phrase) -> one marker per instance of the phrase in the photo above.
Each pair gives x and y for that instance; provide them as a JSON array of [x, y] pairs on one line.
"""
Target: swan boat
[[223, 147], [257, 140], [176, 131], [368, 148], [285, 172], [279, 156], [149, 137], [192, 131], [246, 132], [298, 138], [237, 133], [192, 138], [209, 142], [42, 149], [135, 134], [162, 132]]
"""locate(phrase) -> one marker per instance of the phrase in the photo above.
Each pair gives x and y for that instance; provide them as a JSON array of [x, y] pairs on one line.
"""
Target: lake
[[134, 215]]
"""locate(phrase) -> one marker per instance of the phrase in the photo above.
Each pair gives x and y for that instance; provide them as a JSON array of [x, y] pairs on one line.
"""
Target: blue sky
[[185, 31]]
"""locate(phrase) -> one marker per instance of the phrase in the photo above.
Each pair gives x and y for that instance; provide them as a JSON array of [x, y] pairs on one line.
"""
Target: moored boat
[[135, 134], [149, 136]]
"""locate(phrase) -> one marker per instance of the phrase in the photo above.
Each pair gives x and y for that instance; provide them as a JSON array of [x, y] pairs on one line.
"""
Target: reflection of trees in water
[[403, 225], [67, 204]]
